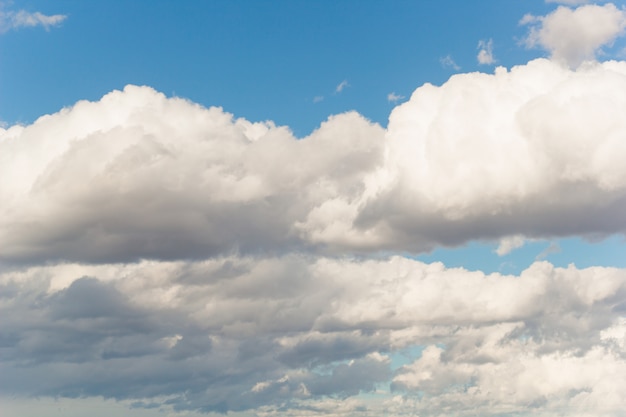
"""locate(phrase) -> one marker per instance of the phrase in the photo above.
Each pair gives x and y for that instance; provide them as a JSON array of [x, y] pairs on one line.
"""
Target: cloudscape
[[164, 254]]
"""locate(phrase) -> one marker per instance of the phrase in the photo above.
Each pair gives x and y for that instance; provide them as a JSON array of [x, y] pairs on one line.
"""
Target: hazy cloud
[[11, 20], [393, 97], [448, 62], [485, 54]]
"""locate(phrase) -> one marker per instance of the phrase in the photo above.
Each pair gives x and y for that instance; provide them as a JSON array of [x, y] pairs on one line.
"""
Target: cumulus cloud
[[301, 331], [534, 151], [574, 36], [12, 20], [143, 176], [485, 53]]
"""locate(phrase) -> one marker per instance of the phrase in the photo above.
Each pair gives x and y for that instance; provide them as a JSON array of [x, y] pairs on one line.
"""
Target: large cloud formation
[[535, 151], [156, 251]]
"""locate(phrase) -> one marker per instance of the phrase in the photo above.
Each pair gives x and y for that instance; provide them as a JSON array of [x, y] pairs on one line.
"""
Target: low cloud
[[300, 331], [575, 36]]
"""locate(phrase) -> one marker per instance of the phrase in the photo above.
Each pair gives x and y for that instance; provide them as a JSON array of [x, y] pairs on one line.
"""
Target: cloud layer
[[534, 151], [243, 333]]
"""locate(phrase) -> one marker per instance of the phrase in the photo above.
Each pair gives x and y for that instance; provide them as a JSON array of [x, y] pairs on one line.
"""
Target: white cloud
[[485, 155], [534, 151], [509, 244], [11, 20], [485, 55], [317, 99], [393, 97], [300, 328], [342, 85], [448, 62], [575, 36]]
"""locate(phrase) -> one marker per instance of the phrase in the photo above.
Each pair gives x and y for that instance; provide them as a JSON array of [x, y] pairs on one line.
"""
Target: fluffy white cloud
[[10, 20], [535, 151], [573, 36], [139, 175], [246, 333]]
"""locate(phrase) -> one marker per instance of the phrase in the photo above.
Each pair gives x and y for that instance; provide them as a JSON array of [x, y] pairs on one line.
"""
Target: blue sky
[[257, 60], [336, 208]]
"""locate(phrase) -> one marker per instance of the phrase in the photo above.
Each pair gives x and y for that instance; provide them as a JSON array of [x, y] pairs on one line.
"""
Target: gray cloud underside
[[536, 151], [287, 333]]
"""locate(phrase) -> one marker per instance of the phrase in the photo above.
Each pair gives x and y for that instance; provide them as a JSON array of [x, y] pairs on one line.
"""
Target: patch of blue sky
[[480, 256]]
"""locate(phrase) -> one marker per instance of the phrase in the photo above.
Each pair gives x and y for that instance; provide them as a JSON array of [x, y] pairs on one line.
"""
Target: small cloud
[[573, 36], [341, 86], [317, 99], [485, 55], [508, 244], [10, 20], [448, 62], [393, 97]]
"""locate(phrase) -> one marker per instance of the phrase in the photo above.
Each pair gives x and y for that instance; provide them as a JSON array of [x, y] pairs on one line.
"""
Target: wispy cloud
[[393, 97], [317, 99], [485, 55], [448, 62], [13, 20], [342, 85], [554, 247]]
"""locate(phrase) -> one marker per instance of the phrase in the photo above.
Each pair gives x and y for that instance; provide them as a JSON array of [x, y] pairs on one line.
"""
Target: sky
[[297, 208]]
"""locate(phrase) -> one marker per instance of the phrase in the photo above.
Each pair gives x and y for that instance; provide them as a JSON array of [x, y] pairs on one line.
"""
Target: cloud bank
[[268, 334]]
